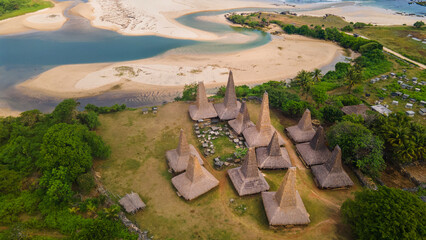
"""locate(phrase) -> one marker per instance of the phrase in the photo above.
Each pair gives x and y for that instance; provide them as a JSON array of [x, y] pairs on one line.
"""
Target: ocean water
[[395, 5]]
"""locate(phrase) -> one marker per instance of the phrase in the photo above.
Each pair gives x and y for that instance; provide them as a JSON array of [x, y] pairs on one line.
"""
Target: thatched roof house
[[314, 152], [178, 158], [230, 107], [303, 131], [285, 207], [202, 108], [247, 179], [360, 109], [261, 134], [331, 173], [132, 202], [195, 181], [273, 156], [242, 121]]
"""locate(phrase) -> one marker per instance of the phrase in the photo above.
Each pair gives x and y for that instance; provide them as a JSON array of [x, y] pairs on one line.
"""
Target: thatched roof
[[314, 152], [178, 158], [247, 179], [242, 121], [331, 173], [132, 202], [360, 109], [195, 181], [202, 109], [230, 107], [285, 207], [303, 131], [273, 156], [261, 134]]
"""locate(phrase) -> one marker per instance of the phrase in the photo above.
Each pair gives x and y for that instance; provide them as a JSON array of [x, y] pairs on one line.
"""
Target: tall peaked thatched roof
[[314, 152], [331, 174], [178, 158], [132, 202], [195, 181], [202, 108], [273, 156], [261, 134], [303, 131], [285, 207], [242, 121], [230, 107], [247, 179]]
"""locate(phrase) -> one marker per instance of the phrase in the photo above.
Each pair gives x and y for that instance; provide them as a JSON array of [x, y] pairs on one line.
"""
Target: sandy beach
[[47, 19], [280, 59]]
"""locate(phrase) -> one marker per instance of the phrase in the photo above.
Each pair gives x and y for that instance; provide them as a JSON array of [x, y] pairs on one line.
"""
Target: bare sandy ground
[[373, 15], [280, 59], [47, 19]]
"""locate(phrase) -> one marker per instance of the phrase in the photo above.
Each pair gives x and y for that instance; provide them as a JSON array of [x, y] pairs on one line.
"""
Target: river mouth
[[27, 55]]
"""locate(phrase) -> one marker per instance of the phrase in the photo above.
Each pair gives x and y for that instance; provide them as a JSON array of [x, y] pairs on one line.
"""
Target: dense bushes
[[360, 148], [114, 108], [189, 93], [387, 213]]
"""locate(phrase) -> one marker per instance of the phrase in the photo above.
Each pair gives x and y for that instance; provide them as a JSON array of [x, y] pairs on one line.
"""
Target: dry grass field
[[138, 164]]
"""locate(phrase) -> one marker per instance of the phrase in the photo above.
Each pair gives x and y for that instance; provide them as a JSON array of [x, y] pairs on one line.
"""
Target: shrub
[[189, 92], [387, 213], [331, 114], [101, 110], [347, 28], [90, 119], [65, 112], [418, 24], [86, 182], [359, 25]]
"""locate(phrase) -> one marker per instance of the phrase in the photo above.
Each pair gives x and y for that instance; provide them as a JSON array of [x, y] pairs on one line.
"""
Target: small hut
[[247, 179], [285, 207], [132, 203], [195, 181], [261, 134], [331, 174], [230, 107], [303, 131], [178, 158], [273, 156], [314, 152], [202, 109], [242, 121]]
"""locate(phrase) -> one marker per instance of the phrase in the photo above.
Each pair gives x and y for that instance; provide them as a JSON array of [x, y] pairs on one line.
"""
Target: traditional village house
[[303, 131], [195, 181], [261, 134], [230, 107], [331, 173], [273, 156], [202, 108], [132, 203], [247, 179], [314, 152], [178, 158], [242, 121], [285, 207]]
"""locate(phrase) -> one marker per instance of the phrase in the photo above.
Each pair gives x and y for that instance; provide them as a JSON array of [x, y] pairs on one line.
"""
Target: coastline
[[48, 19], [280, 59]]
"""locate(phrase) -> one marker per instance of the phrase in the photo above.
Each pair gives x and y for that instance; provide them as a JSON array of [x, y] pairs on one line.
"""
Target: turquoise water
[[396, 5]]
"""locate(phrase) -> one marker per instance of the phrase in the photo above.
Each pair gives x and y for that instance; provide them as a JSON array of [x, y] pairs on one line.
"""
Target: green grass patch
[[32, 6]]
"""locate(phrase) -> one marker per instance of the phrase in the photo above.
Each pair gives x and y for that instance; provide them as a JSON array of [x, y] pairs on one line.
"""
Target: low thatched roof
[[247, 179], [242, 121], [178, 158], [202, 109], [331, 173], [314, 152], [230, 107], [273, 156], [303, 131], [195, 181], [285, 207], [360, 109], [132, 202], [261, 134]]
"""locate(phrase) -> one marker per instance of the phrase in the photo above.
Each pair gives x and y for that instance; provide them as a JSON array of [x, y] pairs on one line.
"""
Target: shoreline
[[48, 19]]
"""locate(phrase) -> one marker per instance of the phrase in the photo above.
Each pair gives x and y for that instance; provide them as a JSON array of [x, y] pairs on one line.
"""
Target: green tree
[[189, 92], [65, 112], [353, 76], [319, 94], [57, 184], [418, 24], [90, 119], [360, 147], [331, 114], [305, 81], [317, 75], [387, 213], [347, 28], [10, 181]]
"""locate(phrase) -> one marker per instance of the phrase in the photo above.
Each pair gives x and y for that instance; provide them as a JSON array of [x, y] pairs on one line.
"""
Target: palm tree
[[304, 79], [316, 75], [353, 76]]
